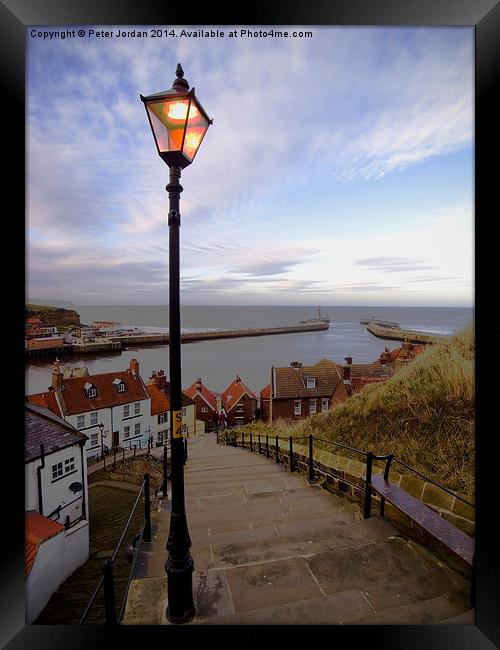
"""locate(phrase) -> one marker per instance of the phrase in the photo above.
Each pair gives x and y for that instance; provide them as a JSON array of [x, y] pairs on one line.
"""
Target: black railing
[[369, 457], [107, 579]]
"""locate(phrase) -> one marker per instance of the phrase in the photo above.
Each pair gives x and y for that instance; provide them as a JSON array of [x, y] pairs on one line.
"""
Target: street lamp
[[179, 123], [101, 427]]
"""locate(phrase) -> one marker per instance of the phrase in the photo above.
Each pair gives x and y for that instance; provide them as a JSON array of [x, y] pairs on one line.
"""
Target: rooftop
[[42, 426]]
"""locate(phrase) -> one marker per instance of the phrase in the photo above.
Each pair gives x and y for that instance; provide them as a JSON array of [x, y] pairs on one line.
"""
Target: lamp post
[[178, 123], [101, 427]]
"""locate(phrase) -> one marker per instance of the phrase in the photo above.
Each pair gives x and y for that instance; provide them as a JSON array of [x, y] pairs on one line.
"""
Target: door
[[116, 438]]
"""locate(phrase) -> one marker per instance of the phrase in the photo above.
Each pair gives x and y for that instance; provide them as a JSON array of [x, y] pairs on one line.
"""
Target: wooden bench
[[456, 541]]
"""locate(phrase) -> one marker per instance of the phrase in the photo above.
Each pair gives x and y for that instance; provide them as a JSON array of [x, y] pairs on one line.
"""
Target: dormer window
[[311, 382], [119, 384], [90, 389]]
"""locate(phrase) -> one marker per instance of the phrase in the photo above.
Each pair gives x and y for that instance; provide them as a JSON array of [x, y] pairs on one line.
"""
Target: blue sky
[[338, 170]]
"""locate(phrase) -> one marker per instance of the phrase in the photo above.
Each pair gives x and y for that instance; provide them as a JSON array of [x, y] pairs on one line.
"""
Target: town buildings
[[239, 403], [159, 391], [118, 400], [56, 505], [206, 403]]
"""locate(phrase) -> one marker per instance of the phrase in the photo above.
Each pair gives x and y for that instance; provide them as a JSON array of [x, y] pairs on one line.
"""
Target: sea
[[217, 362]]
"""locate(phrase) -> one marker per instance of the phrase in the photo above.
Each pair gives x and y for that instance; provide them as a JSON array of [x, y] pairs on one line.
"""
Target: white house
[[56, 505], [159, 391], [117, 400]]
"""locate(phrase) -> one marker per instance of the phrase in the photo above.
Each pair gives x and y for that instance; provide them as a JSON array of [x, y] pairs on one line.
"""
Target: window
[[126, 432], [126, 410], [184, 428], [94, 440], [137, 408], [137, 429], [240, 407], [204, 409], [162, 418], [312, 406], [184, 412], [311, 382], [324, 405], [121, 387], [57, 470], [93, 418], [297, 407], [90, 390], [80, 421], [69, 465]]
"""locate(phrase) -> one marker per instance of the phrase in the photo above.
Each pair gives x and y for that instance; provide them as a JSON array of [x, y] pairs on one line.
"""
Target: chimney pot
[[347, 372], [348, 360], [134, 366]]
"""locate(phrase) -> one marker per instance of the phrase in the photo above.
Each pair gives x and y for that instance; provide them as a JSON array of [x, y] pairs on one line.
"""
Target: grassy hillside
[[424, 415]]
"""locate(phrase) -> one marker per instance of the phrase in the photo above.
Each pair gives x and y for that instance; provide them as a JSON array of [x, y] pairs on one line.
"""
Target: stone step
[[355, 534], [466, 618], [426, 612], [343, 608]]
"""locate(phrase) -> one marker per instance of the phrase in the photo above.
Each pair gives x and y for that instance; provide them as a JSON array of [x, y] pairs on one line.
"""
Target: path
[[270, 548]]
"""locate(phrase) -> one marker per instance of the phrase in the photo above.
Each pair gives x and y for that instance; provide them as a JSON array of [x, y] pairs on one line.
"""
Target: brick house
[[159, 391], [239, 403], [119, 400], [265, 398], [407, 352], [299, 391], [206, 403]]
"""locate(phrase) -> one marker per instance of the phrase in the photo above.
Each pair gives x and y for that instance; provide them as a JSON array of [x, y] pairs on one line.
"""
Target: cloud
[[394, 264]]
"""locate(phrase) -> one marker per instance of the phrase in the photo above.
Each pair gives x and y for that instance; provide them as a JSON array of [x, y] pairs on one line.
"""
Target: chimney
[[161, 379], [347, 371], [407, 345], [238, 379], [198, 384], [134, 367], [57, 376], [348, 360], [296, 364], [384, 356]]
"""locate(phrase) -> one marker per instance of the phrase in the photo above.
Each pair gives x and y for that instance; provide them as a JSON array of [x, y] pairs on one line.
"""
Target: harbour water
[[218, 361]]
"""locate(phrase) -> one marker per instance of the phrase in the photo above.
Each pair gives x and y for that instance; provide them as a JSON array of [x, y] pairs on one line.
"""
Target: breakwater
[[117, 343], [394, 334]]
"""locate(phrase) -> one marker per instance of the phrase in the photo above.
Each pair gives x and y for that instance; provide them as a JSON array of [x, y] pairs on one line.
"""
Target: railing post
[[291, 455], [267, 446], [104, 462], [164, 487], [386, 477], [123, 455], [242, 439], [185, 450], [251, 443], [311, 459], [114, 456], [147, 510], [259, 442], [277, 451], [368, 489], [109, 593]]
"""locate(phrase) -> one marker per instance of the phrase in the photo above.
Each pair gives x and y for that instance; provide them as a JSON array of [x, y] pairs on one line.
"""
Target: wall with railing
[[345, 474]]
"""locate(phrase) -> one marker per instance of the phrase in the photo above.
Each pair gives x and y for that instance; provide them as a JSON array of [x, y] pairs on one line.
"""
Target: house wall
[[104, 416], [284, 408], [57, 558], [208, 417], [57, 492], [248, 413]]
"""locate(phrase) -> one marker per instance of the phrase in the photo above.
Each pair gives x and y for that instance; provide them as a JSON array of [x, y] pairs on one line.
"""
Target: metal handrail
[[381, 457], [113, 557], [129, 580], [429, 480]]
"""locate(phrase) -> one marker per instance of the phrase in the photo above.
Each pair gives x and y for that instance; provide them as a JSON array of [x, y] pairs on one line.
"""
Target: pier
[[395, 334], [118, 343]]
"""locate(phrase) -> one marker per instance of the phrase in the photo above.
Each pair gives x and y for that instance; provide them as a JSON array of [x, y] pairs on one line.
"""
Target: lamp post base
[[181, 607]]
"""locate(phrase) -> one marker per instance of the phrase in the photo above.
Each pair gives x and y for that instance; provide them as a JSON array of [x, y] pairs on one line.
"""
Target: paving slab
[[272, 583]]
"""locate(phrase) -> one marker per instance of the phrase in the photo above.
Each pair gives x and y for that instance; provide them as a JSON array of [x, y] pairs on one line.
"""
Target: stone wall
[[345, 477]]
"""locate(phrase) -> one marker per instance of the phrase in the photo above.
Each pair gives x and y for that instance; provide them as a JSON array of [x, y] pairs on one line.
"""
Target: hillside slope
[[424, 415]]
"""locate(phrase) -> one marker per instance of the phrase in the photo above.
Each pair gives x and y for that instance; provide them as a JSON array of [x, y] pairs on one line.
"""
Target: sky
[[338, 169]]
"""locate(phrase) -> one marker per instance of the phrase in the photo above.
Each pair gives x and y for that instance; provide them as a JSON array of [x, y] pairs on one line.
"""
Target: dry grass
[[424, 415]]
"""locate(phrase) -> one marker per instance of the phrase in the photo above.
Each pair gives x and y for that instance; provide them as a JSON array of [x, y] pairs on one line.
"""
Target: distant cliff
[[52, 315]]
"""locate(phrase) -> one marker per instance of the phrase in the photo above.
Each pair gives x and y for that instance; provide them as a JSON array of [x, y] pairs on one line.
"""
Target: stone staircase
[[269, 548]]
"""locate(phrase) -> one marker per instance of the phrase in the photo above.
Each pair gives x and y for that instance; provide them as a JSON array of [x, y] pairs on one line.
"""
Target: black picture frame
[[484, 16]]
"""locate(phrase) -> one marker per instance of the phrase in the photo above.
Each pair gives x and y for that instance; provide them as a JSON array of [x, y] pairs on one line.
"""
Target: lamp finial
[[179, 80]]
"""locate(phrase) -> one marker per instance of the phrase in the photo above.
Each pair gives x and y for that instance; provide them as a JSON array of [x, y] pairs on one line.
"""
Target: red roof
[[37, 530], [47, 400], [234, 392], [358, 383], [74, 397], [265, 393], [34, 321], [45, 342], [205, 393]]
